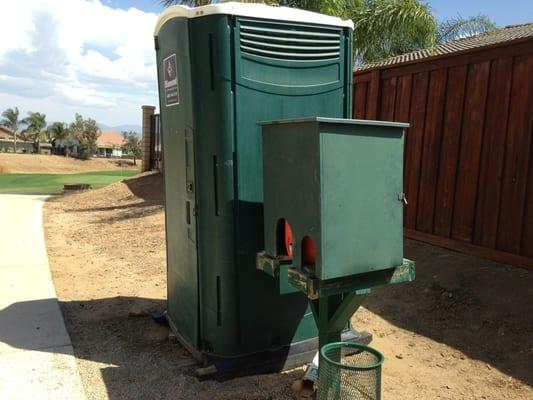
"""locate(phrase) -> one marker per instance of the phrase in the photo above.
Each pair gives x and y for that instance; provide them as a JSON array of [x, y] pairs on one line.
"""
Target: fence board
[[360, 100], [373, 95], [467, 179], [492, 154], [527, 234], [401, 108], [453, 114], [388, 97], [403, 99], [516, 162], [413, 152], [431, 151]]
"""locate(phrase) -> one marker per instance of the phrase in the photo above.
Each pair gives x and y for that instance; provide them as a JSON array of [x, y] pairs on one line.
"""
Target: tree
[[385, 28], [86, 132], [58, 130], [459, 27], [11, 121], [132, 145], [36, 123]]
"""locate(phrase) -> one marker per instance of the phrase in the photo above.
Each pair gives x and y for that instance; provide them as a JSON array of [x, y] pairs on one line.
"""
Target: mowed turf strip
[[53, 183]]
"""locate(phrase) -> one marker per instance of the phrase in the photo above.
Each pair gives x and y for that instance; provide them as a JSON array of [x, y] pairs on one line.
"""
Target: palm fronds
[[459, 27]]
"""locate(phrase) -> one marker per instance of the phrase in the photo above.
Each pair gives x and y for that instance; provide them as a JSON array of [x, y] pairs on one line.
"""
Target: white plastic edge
[[251, 10]]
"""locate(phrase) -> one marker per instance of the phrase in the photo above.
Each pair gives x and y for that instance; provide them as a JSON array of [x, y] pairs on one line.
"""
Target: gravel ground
[[463, 330]]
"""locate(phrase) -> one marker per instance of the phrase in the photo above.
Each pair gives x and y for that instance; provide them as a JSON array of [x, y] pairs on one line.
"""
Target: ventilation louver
[[289, 41]]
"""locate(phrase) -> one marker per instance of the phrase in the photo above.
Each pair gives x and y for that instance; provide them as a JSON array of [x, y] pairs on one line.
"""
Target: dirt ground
[[39, 163], [463, 330]]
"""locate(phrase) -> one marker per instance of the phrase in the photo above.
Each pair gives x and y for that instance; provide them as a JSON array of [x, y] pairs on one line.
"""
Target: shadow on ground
[[479, 307], [139, 360], [145, 187]]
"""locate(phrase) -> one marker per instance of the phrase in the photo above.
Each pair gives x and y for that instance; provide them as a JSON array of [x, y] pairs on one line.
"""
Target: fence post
[[147, 111]]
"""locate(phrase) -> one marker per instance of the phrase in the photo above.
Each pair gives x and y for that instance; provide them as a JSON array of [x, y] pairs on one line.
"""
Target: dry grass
[[462, 330], [107, 254], [38, 163]]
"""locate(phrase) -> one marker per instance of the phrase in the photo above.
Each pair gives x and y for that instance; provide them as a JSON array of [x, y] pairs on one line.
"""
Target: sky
[[96, 57]]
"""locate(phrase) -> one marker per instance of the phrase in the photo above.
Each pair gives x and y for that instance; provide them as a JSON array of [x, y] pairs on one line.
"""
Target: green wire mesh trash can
[[349, 371]]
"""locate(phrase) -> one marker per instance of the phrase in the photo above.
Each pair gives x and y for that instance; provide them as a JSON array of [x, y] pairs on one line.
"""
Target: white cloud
[[15, 29], [86, 96], [77, 53]]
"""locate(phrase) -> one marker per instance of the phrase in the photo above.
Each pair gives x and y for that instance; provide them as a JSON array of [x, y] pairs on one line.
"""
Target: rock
[[137, 311], [172, 338], [157, 333], [308, 390], [297, 385]]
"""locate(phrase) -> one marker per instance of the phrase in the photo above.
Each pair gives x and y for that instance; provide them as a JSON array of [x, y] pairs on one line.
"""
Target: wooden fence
[[468, 153]]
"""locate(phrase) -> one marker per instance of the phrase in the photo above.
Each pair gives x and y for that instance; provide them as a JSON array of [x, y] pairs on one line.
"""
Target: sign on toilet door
[[172, 94]]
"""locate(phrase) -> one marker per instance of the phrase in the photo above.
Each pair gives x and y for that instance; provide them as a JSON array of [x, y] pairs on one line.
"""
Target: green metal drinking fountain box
[[333, 209], [223, 68]]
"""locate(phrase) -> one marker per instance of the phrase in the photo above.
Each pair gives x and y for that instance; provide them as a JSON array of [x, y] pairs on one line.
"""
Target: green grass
[[53, 183]]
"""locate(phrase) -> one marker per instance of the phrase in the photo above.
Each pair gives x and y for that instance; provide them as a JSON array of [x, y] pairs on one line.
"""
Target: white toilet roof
[[251, 10]]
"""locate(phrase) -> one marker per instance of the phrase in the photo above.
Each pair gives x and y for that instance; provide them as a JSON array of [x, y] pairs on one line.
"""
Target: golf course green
[[53, 183]]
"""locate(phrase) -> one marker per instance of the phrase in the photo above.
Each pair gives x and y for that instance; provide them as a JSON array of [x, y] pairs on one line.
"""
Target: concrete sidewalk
[[36, 355]]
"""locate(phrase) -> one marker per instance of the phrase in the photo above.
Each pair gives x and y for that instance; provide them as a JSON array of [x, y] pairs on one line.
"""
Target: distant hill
[[121, 128]]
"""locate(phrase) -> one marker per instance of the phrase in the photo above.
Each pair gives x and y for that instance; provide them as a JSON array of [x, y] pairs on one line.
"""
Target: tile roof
[[503, 35], [110, 139], [5, 133]]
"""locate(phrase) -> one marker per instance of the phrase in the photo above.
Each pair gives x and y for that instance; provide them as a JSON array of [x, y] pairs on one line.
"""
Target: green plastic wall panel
[[340, 183], [231, 307], [178, 149]]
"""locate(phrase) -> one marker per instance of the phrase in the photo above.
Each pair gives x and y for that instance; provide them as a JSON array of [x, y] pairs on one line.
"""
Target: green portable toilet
[[223, 68]]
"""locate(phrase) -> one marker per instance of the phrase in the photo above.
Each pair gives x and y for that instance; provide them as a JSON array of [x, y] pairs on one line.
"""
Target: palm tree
[[36, 122], [11, 121], [385, 28], [58, 131], [459, 27]]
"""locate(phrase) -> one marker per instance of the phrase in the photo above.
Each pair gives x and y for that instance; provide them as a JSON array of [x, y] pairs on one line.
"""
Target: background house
[[66, 147], [109, 144], [468, 153], [7, 142]]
